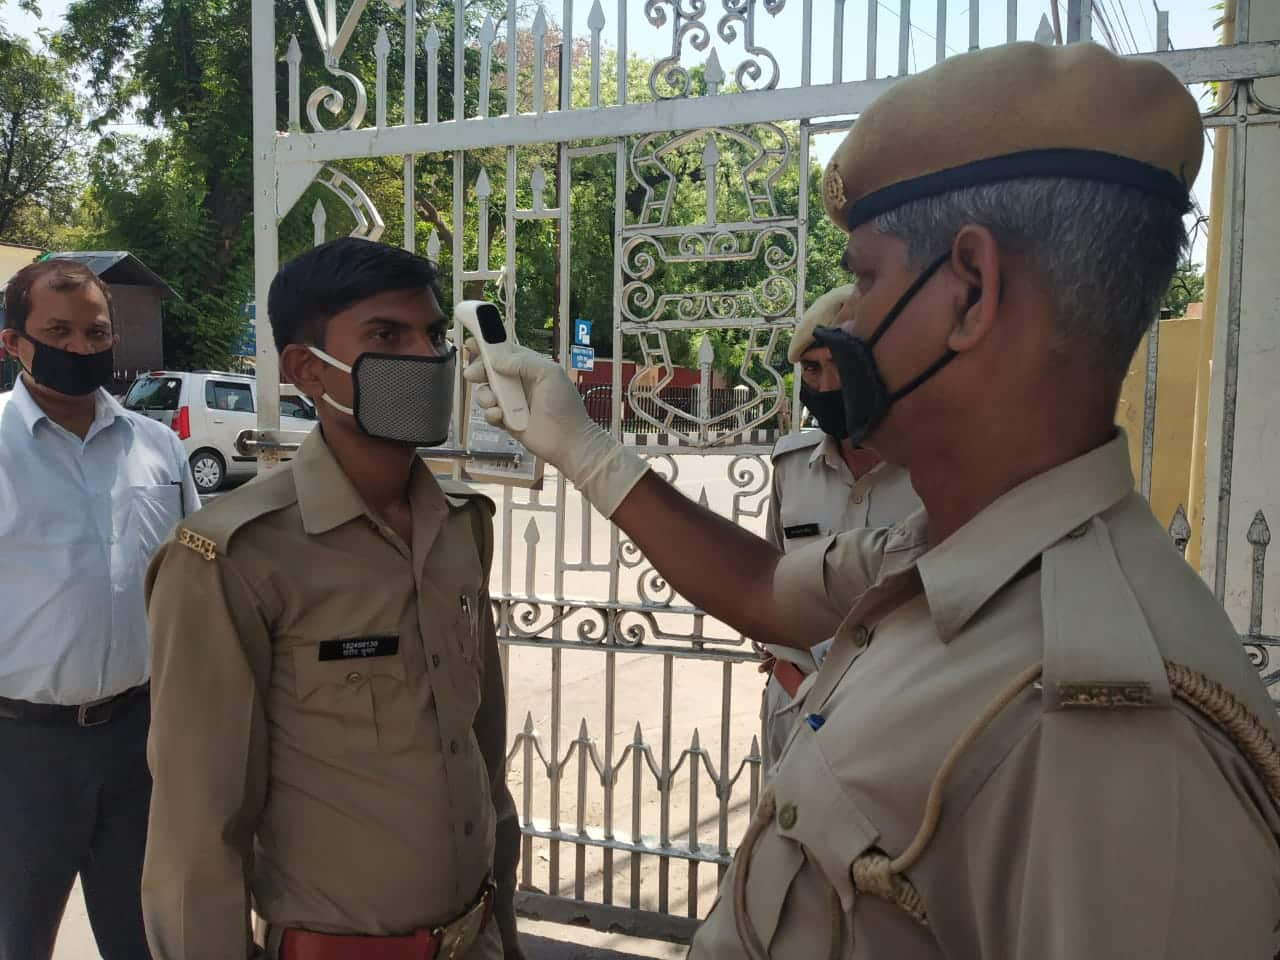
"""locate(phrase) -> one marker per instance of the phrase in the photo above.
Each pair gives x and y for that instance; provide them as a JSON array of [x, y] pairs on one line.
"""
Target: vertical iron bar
[[526, 851], [580, 848], [837, 52], [1011, 32], [873, 24], [1231, 367], [664, 789], [722, 788], [266, 247], [904, 37], [512, 107], [410, 209], [622, 55], [806, 43], [637, 771], [1149, 407], [695, 760], [459, 79], [410, 65], [941, 53], [974, 6], [566, 62], [610, 707]]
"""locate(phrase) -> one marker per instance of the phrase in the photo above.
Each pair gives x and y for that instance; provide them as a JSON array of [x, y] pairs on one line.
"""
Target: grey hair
[[1105, 253]]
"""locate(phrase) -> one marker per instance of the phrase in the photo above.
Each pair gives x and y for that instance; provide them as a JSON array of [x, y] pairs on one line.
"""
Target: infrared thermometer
[[483, 321]]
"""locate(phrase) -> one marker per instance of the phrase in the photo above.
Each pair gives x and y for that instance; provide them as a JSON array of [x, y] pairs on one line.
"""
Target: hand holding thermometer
[[483, 321]]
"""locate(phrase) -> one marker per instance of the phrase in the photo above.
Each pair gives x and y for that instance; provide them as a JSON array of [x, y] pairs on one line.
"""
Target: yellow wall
[[13, 259], [1175, 412]]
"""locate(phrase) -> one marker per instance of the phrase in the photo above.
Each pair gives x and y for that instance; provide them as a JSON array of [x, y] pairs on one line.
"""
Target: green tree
[[184, 69], [39, 143], [1186, 287]]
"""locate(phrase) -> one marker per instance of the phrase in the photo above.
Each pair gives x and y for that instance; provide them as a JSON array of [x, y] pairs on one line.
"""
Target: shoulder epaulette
[[804, 440], [459, 494], [209, 530]]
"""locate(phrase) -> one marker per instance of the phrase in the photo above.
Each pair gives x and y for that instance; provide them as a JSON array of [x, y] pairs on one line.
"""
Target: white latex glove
[[559, 430]]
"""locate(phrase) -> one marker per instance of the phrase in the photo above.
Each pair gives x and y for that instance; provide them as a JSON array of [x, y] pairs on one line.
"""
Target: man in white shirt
[[88, 491]]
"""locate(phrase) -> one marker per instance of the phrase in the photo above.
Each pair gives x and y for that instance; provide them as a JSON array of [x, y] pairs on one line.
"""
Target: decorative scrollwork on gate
[[669, 80]]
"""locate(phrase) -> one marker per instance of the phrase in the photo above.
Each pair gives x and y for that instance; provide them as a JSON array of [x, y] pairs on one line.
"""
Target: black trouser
[[74, 800]]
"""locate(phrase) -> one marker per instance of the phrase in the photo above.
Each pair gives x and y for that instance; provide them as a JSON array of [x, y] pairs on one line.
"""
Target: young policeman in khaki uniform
[[822, 485], [1036, 735], [328, 744]]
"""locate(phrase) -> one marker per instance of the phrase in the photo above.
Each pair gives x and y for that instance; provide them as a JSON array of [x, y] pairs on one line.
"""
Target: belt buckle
[[457, 936], [82, 713]]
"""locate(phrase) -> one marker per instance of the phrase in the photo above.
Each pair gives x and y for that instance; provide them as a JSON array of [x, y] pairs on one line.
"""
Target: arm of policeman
[[1112, 835], [211, 661], [732, 574]]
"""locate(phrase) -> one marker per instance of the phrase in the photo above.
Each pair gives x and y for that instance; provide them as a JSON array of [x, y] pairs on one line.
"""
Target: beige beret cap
[[821, 314], [1016, 111]]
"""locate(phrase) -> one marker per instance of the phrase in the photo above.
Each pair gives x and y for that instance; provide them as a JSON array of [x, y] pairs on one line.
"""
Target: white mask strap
[[338, 364]]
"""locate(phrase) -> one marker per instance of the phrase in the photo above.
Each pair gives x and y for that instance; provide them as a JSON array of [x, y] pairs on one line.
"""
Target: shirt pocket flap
[[312, 673], [815, 811]]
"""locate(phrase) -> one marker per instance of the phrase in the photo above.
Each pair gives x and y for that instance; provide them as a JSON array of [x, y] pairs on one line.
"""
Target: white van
[[208, 409]]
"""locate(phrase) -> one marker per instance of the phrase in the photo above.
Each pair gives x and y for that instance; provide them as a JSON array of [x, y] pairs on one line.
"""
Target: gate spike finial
[[1259, 534], [531, 535], [695, 744], [433, 246], [483, 189], [431, 42], [528, 722], [639, 737], [582, 731], [595, 19]]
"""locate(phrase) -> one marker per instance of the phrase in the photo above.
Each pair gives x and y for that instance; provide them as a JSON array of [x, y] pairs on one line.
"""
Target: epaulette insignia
[[1106, 694], [201, 545]]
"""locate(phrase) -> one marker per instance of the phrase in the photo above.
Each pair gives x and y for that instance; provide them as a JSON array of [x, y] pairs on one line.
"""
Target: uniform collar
[[972, 565], [828, 450], [326, 497], [106, 409]]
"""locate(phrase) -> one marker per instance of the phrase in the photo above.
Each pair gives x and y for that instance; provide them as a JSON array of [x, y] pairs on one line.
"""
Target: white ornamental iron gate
[[570, 592]]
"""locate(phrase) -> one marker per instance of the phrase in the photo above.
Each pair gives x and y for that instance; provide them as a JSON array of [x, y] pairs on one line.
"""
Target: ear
[[9, 341], [978, 263], [302, 368]]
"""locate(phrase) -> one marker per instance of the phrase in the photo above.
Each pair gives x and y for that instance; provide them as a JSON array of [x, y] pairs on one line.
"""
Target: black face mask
[[866, 398], [71, 374], [827, 407]]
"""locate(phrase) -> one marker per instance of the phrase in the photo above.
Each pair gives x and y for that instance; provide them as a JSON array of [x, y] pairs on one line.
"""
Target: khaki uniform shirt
[[1067, 831], [328, 723], [815, 496]]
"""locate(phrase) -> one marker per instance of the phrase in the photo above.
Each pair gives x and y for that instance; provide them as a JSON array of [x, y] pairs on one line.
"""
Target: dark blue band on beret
[[1029, 164]]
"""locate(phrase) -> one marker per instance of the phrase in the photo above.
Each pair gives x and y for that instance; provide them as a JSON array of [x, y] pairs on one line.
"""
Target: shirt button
[[860, 636], [787, 816], [857, 498], [453, 746], [468, 828], [435, 659], [354, 678], [1079, 531]]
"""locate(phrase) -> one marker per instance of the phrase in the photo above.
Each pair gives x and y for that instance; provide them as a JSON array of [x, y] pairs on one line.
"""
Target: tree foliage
[[182, 199], [39, 143]]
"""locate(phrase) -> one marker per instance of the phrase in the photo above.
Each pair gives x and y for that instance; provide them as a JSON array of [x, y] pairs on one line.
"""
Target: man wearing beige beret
[[1036, 735]]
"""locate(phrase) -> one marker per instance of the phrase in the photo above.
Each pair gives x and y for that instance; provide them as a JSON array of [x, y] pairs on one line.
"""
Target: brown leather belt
[[84, 715], [449, 942]]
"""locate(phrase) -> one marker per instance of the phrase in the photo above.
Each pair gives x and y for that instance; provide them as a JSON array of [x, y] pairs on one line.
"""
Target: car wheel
[[208, 470]]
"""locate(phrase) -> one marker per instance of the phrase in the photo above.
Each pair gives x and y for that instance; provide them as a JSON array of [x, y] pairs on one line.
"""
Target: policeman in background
[[328, 744], [822, 485], [1036, 734]]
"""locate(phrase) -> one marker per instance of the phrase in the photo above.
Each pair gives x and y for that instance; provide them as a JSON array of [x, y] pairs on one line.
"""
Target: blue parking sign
[[582, 333], [582, 358]]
